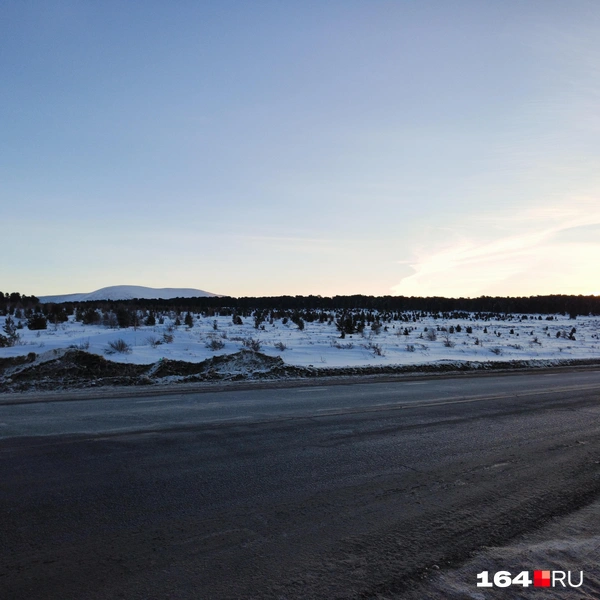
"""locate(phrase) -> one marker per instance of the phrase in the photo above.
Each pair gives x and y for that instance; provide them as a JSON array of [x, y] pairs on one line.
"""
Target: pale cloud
[[544, 257]]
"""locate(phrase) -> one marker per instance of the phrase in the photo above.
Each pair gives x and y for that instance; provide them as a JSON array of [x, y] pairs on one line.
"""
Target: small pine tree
[[345, 325], [57, 314], [89, 317], [9, 327], [12, 337], [123, 317], [135, 319], [37, 321], [189, 320], [259, 317]]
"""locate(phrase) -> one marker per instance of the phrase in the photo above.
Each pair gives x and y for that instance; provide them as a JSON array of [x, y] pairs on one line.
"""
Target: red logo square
[[541, 578]]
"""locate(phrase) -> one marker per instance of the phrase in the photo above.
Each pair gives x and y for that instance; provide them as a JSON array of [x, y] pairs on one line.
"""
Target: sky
[[426, 148]]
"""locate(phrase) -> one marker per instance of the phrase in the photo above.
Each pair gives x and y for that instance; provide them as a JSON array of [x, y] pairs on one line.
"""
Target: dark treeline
[[224, 305], [15, 300], [554, 304]]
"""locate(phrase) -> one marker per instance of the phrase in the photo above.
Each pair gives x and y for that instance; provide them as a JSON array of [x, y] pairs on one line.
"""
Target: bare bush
[[410, 347], [341, 346], [567, 336], [280, 346], [154, 341], [448, 343], [81, 346], [431, 334], [214, 344], [376, 349], [496, 351], [251, 343], [168, 337], [119, 345]]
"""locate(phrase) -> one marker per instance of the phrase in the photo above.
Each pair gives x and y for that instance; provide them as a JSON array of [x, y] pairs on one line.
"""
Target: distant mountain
[[128, 292]]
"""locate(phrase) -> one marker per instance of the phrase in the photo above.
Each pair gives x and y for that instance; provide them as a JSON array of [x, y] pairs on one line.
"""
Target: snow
[[319, 344], [128, 292]]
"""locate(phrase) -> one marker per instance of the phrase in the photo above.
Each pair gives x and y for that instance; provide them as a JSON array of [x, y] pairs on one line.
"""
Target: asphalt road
[[348, 491]]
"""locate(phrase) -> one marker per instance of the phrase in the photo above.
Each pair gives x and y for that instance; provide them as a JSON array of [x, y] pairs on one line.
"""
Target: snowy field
[[426, 340]]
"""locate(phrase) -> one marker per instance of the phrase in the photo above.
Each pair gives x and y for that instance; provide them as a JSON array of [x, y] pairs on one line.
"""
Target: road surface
[[347, 491]]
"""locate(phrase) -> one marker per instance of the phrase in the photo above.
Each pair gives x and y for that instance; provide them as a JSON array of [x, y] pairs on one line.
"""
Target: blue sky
[[332, 147]]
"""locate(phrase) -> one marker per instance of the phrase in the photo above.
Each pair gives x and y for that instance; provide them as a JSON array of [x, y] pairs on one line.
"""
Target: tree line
[[24, 306], [552, 304]]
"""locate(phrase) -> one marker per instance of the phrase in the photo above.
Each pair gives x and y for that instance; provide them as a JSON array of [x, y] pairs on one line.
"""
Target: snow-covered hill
[[127, 292]]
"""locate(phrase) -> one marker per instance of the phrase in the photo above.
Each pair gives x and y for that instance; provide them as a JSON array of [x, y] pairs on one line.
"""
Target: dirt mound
[[71, 368], [16, 361], [245, 364], [78, 369]]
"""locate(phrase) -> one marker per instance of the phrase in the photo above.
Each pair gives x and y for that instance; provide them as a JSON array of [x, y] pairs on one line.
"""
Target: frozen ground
[[320, 345], [570, 544]]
